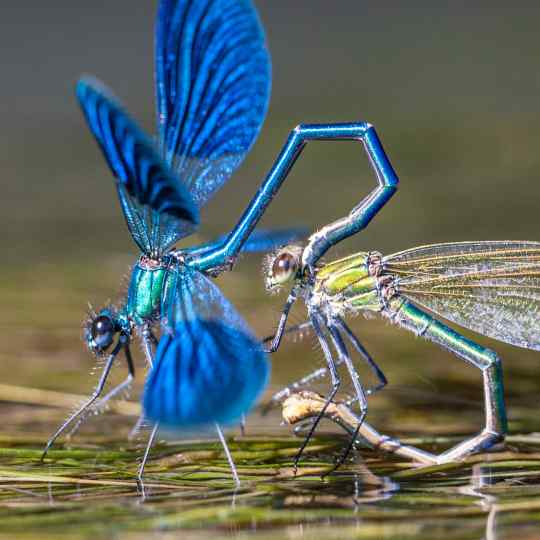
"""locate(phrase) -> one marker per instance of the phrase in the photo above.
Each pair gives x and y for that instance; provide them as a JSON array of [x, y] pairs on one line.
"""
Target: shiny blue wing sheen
[[208, 366], [205, 372], [213, 86], [135, 163], [137, 223]]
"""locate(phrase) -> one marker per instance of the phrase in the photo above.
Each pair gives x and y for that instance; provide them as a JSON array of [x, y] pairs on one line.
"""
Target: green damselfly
[[491, 287]]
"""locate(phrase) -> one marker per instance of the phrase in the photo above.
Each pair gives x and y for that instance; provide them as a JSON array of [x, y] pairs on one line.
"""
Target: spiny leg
[[295, 386], [342, 325], [146, 454], [101, 404], [122, 342], [294, 329], [322, 372], [276, 340], [486, 360], [229, 455], [224, 253], [335, 386], [149, 341], [120, 387], [359, 390]]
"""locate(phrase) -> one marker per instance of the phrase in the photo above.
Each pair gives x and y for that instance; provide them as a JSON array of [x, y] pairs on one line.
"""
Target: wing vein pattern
[[490, 287]]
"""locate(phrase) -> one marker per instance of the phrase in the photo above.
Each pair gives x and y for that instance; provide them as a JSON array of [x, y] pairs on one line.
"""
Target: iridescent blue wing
[[213, 86], [150, 193], [208, 366], [261, 240]]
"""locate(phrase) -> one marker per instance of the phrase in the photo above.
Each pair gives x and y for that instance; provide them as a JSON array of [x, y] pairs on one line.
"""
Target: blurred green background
[[453, 90]]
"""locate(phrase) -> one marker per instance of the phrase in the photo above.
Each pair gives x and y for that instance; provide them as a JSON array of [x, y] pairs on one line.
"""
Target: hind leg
[[335, 385]]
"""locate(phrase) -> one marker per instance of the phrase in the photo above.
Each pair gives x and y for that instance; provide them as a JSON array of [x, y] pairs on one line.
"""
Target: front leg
[[276, 340], [123, 386], [227, 252], [122, 343]]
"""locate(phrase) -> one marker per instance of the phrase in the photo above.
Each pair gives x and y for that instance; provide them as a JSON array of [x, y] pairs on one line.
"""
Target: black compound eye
[[101, 326], [284, 265], [102, 332]]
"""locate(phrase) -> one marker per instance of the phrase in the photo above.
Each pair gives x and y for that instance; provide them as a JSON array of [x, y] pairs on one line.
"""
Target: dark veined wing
[[208, 366], [213, 86], [262, 240], [490, 287], [157, 207]]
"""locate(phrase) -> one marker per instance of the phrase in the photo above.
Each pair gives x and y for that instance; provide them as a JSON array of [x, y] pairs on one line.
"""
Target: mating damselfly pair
[[212, 71]]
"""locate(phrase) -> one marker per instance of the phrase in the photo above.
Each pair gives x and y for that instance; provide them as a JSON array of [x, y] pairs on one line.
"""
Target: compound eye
[[284, 266], [102, 332]]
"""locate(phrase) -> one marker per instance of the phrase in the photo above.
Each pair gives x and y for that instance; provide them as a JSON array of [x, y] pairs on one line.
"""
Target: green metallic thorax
[[350, 282], [146, 291]]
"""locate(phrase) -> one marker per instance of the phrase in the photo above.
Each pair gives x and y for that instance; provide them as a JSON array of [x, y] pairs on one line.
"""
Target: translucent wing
[[208, 366], [261, 240], [490, 287], [213, 86], [154, 201]]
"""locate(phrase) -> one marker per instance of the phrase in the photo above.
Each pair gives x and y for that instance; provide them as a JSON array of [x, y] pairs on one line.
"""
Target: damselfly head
[[282, 266], [99, 331]]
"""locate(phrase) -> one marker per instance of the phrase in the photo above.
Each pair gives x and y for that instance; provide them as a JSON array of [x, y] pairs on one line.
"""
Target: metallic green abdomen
[[145, 292]]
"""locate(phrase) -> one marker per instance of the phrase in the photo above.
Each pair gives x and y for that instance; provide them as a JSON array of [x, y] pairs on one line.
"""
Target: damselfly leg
[[223, 441], [381, 377], [322, 372], [146, 454], [335, 385], [149, 342], [123, 386], [123, 343], [304, 382], [276, 340], [358, 389]]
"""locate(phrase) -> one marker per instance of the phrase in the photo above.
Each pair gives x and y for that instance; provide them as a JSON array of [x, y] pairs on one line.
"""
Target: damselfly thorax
[[149, 278], [353, 284]]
